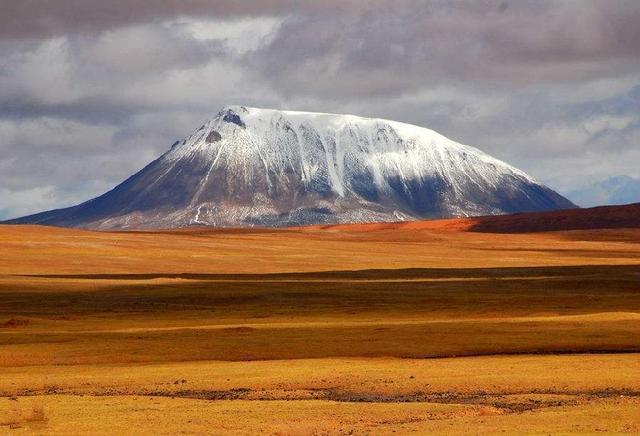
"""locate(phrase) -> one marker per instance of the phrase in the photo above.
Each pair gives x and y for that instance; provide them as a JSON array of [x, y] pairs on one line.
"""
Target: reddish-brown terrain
[[603, 217]]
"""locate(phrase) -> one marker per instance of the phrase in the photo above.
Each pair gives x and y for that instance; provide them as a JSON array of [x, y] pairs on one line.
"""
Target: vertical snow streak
[[204, 181]]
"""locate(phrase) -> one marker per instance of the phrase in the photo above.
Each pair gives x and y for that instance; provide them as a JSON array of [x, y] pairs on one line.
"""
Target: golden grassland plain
[[343, 330]]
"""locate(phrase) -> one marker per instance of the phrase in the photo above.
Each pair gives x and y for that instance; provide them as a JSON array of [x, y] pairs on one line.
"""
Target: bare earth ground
[[339, 330]]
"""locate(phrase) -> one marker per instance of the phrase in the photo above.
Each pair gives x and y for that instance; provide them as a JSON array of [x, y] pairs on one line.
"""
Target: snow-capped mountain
[[614, 190], [263, 167]]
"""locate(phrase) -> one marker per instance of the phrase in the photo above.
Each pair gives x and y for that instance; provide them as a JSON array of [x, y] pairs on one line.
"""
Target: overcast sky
[[92, 90]]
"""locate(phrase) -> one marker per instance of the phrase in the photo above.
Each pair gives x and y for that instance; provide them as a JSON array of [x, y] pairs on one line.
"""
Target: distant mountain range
[[614, 190], [263, 167]]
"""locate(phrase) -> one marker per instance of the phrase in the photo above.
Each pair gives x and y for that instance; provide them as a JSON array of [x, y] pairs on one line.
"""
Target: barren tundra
[[413, 327]]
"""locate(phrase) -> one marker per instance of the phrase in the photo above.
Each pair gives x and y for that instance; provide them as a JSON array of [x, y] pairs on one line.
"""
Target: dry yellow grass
[[523, 394], [334, 377], [100, 328], [42, 250], [150, 415]]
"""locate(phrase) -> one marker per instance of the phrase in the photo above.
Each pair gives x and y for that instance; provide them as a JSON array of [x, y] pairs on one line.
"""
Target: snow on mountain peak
[[382, 142]]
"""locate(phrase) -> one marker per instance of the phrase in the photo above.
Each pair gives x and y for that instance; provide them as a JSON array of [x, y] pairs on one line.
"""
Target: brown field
[[338, 330]]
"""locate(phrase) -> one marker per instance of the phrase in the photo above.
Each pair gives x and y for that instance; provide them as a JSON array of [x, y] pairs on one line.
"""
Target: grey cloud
[[140, 50], [388, 49], [44, 19]]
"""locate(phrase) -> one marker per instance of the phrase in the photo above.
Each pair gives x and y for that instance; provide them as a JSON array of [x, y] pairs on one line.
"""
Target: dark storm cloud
[[92, 90], [388, 49], [45, 18]]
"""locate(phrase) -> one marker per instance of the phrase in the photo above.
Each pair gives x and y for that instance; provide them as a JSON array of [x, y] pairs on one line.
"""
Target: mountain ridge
[[614, 190], [594, 218], [265, 167]]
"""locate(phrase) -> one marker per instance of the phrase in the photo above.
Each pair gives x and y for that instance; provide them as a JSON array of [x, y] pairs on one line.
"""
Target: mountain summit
[[263, 167]]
